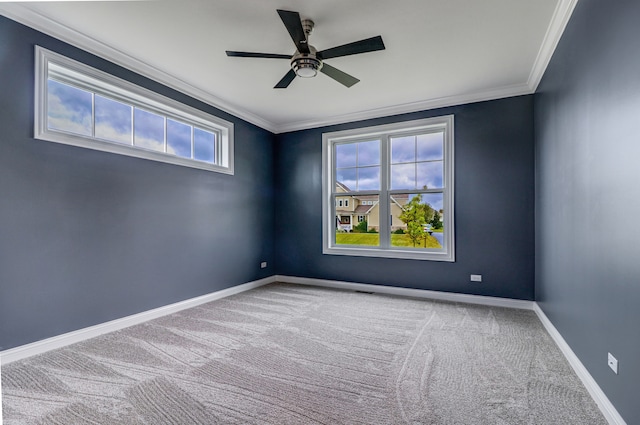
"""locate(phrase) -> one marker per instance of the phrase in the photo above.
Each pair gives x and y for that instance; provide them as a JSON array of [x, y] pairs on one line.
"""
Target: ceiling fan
[[307, 61]]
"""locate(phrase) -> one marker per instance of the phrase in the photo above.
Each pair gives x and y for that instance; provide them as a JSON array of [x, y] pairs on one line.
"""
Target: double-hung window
[[78, 105], [401, 175]]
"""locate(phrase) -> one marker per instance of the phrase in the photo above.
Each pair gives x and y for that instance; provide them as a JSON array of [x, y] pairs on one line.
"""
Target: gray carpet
[[285, 354]]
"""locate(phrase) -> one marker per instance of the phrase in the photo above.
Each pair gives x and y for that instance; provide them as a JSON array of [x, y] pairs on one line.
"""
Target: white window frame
[[101, 83], [384, 133]]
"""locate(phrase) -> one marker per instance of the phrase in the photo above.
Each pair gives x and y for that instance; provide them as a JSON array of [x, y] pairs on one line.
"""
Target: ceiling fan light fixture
[[307, 61], [306, 66]]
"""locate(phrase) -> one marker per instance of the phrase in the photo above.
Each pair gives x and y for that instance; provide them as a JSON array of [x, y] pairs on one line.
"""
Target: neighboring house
[[353, 209]]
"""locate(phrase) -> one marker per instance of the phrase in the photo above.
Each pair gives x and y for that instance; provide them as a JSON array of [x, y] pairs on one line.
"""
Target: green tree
[[360, 227], [435, 221], [415, 215]]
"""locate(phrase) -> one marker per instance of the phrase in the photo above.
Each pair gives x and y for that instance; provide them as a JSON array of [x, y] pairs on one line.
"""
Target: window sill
[[399, 253]]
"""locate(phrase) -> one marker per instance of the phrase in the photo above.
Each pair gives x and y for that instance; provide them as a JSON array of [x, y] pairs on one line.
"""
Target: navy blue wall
[[494, 207], [88, 236], [587, 110]]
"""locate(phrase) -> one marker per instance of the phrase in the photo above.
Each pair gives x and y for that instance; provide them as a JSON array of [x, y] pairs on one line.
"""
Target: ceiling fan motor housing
[[306, 65], [307, 26]]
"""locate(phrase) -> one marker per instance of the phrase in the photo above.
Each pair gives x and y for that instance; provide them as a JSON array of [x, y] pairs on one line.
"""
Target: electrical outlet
[[263, 265], [476, 278], [613, 363]]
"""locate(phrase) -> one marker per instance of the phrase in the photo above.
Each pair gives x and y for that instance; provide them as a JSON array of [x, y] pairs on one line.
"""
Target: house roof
[[364, 209], [343, 186], [400, 199]]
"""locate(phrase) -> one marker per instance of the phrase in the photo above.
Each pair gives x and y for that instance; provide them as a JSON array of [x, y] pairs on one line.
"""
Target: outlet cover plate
[[476, 278], [613, 363]]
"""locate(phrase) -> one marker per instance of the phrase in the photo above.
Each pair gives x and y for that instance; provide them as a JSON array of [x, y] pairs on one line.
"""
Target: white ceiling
[[438, 52]]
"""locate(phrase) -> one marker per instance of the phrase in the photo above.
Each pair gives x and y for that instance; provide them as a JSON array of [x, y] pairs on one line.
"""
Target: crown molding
[[443, 102], [559, 21], [29, 17]]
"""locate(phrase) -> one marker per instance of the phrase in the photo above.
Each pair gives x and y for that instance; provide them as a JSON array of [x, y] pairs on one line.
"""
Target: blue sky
[[179, 138], [433, 199], [113, 120], [203, 145], [70, 109], [416, 162], [358, 165]]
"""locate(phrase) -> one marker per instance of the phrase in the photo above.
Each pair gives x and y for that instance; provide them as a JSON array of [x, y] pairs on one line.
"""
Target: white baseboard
[[606, 407], [58, 341], [410, 292]]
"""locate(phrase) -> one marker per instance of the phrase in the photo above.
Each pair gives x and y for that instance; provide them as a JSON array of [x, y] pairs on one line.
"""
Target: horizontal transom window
[[82, 106]]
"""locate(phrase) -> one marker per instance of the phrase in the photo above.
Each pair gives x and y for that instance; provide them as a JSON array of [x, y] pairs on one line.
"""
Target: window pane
[[149, 130], [69, 108], [204, 145], [359, 223], [429, 175], [348, 177], [416, 220], [430, 146], [436, 201], [346, 155], [178, 139], [113, 120], [403, 176], [369, 153], [368, 178], [403, 149]]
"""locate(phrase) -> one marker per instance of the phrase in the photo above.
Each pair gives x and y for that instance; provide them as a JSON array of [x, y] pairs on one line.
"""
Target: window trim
[[104, 84], [444, 123]]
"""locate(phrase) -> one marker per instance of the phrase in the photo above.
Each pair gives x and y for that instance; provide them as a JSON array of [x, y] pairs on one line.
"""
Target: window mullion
[[133, 126], [93, 115], [166, 147], [217, 149], [383, 200], [133, 122]]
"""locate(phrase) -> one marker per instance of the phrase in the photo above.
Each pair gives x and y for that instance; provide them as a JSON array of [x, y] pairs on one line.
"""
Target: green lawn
[[373, 239]]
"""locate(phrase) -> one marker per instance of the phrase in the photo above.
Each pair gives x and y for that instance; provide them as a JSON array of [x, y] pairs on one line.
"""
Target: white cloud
[[151, 144], [108, 132], [61, 117]]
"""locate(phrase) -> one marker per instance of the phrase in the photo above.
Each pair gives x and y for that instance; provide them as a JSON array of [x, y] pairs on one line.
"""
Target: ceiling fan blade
[[292, 21], [363, 46], [257, 55], [341, 77], [286, 80]]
